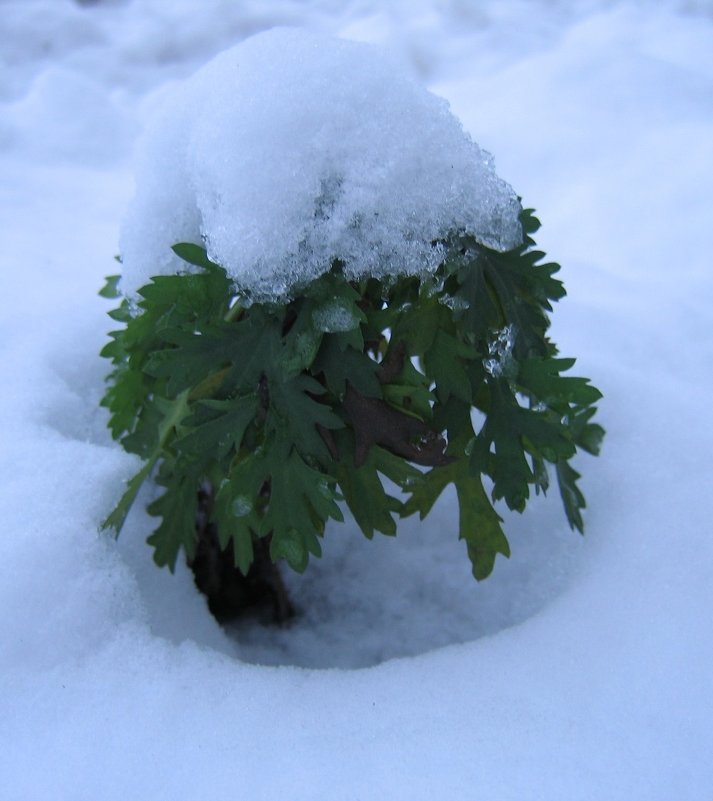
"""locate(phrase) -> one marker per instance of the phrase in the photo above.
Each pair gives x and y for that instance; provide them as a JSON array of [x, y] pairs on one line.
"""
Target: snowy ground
[[581, 669]]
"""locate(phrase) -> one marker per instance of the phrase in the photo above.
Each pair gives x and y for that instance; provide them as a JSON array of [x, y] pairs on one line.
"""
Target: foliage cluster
[[288, 411]]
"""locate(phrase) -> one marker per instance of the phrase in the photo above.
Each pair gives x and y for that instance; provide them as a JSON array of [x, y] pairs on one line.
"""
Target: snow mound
[[291, 150]]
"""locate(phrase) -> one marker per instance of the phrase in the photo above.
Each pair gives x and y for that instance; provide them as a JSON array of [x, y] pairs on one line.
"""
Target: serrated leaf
[[363, 490], [238, 507], [340, 365], [444, 361], [190, 357], [293, 512], [411, 392], [173, 414], [454, 417], [193, 254], [334, 306], [418, 325], [144, 438], [540, 474], [301, 501], [395, 468], [498, 450], [191, 296], [415, 401], [480, 312], [266, 401], [530, 223], [572, 497], [509, 432], [115, 521], [124, 400], [110, 289], [587, 435], [541, 377], [520, 309], [297, 415], [177, 509], [302, 340], [216, 427], [428, 490], [290, 545], [245, 347], [479, 524]]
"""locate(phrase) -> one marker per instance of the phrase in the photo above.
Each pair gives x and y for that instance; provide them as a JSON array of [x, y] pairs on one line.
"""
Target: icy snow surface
[[291, 150], [582, 668]]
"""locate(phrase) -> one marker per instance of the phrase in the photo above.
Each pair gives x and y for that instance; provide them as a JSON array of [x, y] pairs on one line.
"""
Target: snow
[[581, 668], [292, 150], [499, 358]]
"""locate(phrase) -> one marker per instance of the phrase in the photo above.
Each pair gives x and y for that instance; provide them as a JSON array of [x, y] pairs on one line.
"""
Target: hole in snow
[[365, 602], [362, 603]]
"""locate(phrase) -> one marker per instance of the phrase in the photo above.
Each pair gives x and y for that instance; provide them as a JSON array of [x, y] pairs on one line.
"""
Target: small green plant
[[258, 419]]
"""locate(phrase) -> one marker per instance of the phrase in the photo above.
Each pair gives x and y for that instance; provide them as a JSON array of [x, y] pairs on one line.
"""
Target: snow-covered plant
[[261, 417], [325, 284]]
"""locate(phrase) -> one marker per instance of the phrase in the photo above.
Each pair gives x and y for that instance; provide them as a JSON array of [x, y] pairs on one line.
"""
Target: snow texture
[[292, 150], [581, 670]]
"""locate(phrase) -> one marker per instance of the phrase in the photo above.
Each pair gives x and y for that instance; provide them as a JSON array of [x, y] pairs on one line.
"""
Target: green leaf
[[520, 310], [193, 254], [195, 296], [124, 399], [301, 501], [411, 393], [115, 521], [217, 427], [571, 495], [302, 340], [144, 439], [445, 362], [293, 511], [454, 417], [190, 357], [479, 524], [335, 307], [110, 289], [177, 509], [587, 435], [395, 468], [297, 415], [237, 510], [264, 402], [509, 432], [479, 308], [174, 412], [290, 545], [417, 325], [542, 379], [499, 451], [340, 363], [428, 491], [363, 490]]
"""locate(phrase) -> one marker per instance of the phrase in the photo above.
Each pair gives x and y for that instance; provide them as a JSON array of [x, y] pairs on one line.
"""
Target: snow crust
[[581, 670], [292, 150]]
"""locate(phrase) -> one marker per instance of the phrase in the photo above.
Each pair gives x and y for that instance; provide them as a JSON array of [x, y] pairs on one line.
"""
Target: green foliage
[[365, 393]]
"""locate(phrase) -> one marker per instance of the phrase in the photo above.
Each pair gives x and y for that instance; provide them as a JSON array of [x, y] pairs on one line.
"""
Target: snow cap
[[293, 149]]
